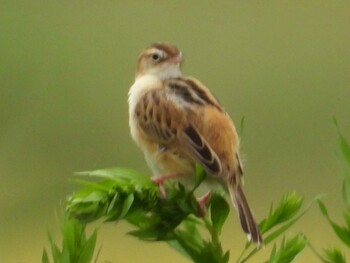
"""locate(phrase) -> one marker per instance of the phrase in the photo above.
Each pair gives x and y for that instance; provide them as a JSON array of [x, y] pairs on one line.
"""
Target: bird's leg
[[202, 202], [160, 179]]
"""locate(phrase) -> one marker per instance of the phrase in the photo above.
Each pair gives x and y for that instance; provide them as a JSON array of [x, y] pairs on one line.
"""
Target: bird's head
[[161, 60]]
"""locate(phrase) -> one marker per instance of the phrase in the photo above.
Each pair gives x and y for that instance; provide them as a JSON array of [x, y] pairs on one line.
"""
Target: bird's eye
[[155, 57]]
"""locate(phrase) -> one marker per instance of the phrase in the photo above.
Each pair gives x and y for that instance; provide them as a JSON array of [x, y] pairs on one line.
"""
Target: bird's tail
[[246, 217]]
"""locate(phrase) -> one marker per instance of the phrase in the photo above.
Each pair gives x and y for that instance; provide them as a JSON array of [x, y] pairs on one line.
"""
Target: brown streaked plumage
[[177, 122]]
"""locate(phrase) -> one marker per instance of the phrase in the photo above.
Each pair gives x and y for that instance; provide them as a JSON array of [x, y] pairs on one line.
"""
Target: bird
[[178, 122]]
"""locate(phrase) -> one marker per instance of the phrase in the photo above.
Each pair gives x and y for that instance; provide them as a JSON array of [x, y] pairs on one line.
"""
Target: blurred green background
[[65, 70]]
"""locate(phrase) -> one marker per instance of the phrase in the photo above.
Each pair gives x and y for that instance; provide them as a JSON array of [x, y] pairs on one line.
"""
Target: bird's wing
[[165, 116]]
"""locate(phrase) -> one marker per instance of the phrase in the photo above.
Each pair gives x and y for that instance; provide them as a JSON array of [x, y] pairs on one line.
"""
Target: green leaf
[[67, 257], [226, 257], [199, 252], [323, 208], [346, 193], [188, 249], [87, 251], [219, 210], [277, 232], [187, 239], [118, 173], [98, 186], [288, 207], [291, 222], [56, 253], [288, 250], [191, 231], [343, 233], [344, 146], [175, 244], [76, 248], [347, 219], [334, 255], [45, 257], [112, 203], [200, 175], [120, 195], [144, 234], [127, 205], [343, 155], [71, 235]]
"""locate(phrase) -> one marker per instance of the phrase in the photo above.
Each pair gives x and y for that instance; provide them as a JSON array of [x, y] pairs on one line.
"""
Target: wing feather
[[164, 116], [204, 153]]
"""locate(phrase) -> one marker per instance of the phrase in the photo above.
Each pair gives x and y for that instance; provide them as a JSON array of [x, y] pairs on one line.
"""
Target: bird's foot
[[161, 179], [202, 202]]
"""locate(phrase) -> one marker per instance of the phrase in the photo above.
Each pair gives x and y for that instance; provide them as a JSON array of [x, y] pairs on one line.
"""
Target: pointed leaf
[[118, 173], [67, 257], [127, 205], [192, 251], [45, 257], [347, 219], [87, 251], [288, 207], [175, 244], [346, 193], [343, 155], [291, 222], [200, 175], [342, 232], [334, 255], [98, 186], [219, 210], [187, 240], [70, 239], [344, 147], [322, 208], [189, 230], [54, 249], [288, 250], [145, 234], [226, 257]]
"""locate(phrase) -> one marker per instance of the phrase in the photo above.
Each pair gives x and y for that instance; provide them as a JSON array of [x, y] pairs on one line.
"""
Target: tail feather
[[246, 217]]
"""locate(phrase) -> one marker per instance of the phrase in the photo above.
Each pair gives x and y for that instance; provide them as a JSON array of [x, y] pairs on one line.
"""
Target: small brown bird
[[177, 122]]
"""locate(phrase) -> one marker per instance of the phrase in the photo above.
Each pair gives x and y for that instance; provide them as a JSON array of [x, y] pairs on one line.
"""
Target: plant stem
[[316, 252], [242, 253], [213, 235], [248, 256]]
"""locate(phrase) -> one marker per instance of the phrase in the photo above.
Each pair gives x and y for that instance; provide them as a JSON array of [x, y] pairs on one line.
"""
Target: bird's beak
[[178, 59]]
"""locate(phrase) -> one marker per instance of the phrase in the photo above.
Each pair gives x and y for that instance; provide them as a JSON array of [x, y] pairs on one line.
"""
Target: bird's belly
[[168, 161]]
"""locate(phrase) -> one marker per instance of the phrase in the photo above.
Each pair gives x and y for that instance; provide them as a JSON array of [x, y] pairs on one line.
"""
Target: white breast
[[137, 90]]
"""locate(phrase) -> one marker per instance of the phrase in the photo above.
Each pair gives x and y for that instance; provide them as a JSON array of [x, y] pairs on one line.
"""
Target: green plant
[[335, 255], [278, 221], [123, 194], [76, 246]]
